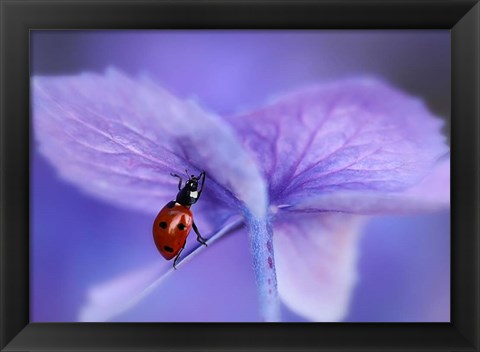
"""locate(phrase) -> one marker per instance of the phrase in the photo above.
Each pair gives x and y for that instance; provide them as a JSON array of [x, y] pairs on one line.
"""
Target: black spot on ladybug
[[168, 249], [181, 226], [170, 204], [163, 224], [270, 262]]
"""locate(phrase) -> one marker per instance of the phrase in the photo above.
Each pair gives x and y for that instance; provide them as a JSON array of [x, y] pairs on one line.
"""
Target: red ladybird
[[174, 222]]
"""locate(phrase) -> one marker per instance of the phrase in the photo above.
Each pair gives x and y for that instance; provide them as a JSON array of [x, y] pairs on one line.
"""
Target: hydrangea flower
[[302, 174]]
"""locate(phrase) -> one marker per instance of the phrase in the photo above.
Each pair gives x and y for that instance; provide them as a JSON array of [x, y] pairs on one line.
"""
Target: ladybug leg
[[179, 181], [202, 175], [178, 256], [199, 237]]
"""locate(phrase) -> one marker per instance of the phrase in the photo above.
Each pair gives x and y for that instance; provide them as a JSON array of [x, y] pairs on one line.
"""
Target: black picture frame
[[18, 17]]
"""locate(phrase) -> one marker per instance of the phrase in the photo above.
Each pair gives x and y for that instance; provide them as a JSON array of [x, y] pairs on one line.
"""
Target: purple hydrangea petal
[[119, 139], [355, 135], [434, 189], [431, 194], [316, 263], [109, 299]]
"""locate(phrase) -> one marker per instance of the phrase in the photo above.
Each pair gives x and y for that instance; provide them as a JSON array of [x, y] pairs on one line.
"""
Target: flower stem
[[261, 240]]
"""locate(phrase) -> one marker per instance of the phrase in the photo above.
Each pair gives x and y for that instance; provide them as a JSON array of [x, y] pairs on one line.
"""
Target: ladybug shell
[[171, 228]]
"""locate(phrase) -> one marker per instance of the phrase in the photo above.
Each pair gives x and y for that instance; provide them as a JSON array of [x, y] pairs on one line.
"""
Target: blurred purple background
[[78, 241]]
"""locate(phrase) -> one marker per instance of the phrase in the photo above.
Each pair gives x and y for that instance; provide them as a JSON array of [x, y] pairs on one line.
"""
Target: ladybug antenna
[[186, 171]]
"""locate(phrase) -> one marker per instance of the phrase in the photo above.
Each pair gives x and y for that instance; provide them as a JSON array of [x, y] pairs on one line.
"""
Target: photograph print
[[240, 176]]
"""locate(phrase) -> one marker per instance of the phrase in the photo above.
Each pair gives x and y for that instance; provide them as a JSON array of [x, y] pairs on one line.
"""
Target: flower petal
[[119, 139], [109, 299], [356, 135], [430, 194], [434, 189], [316, 257]]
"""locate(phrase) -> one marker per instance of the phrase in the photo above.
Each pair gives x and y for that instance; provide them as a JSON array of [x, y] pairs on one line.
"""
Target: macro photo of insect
[[240, 176]]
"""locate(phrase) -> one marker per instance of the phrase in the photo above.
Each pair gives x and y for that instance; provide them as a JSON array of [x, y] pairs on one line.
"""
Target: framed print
[[239, 176]]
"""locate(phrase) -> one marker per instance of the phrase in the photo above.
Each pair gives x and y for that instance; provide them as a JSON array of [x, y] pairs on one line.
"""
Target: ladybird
[[175, 220]]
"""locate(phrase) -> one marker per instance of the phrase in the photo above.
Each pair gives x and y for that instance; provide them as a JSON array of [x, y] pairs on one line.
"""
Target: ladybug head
[[189, 194], [192, 182]]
